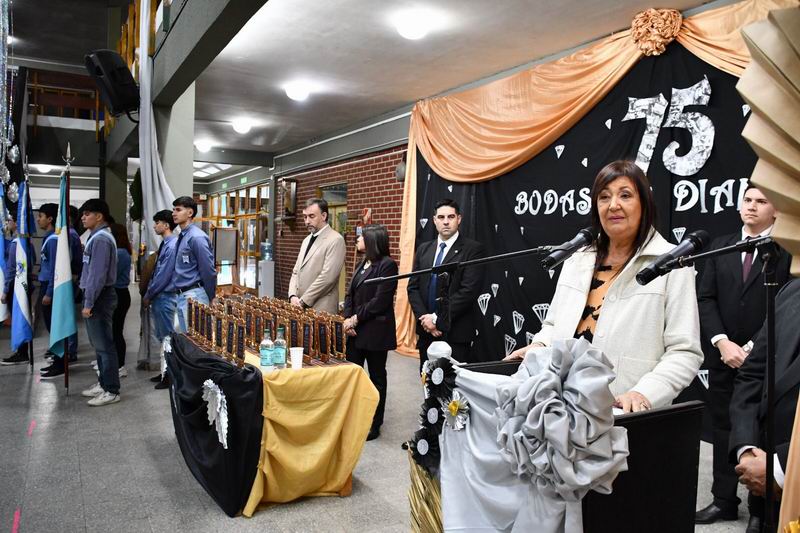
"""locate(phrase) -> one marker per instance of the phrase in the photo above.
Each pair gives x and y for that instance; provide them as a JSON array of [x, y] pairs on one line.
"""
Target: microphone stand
[[444, 273], [768, 250]]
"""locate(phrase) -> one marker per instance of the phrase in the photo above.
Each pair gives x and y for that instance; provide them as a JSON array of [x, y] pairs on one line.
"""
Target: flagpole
[[68, 160], [25, 200]]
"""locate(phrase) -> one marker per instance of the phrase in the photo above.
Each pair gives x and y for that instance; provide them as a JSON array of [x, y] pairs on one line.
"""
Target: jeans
[[198, 295], [118, 323], [162, 309], [47, 312], [98, 328]]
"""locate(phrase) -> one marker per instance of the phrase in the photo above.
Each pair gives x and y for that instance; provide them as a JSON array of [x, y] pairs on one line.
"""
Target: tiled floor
[[68, 467]]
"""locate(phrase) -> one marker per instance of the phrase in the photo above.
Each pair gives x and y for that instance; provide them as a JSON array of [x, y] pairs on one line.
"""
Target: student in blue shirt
[[195, 272], [160, 295], [99, 300], [124, 252], [46, 221], [21, 355]]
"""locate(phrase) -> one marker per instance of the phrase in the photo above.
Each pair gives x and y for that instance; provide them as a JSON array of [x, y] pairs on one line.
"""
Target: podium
[[658, 492]]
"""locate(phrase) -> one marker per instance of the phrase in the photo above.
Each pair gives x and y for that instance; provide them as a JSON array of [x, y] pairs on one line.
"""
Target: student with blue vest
[[21, 355], [195, 272], [100, 299], [46, 221]]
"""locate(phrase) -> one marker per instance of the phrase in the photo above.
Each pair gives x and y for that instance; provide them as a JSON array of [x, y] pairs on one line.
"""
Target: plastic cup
[[296, 354]]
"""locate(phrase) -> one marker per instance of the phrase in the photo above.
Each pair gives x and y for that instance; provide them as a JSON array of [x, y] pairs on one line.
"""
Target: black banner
[[680, 118]]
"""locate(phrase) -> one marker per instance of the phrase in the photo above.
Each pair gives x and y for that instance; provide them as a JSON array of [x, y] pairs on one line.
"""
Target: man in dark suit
[[749, 404], [449, 247], [731, 300]]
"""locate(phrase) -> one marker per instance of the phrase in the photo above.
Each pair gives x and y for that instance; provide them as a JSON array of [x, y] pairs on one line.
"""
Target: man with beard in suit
[[449, 247], [749, 405], [732, 305]]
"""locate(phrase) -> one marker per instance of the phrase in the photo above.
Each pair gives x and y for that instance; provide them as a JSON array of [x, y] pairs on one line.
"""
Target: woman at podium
[[650, 333]]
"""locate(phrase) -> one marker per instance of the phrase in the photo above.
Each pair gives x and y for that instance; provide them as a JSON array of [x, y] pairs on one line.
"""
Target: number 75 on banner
[[653, 109]]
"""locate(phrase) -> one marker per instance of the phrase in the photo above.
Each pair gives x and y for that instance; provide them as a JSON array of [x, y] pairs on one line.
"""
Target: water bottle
[[279, 352], [266, 349]]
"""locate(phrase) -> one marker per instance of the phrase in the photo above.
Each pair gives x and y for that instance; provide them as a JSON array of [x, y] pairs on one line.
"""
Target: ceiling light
[[200, 174], [203, 145], [44, 169], [10, 40], [297, 90], [199, 164], [241, 125], [416, 23], [223, 166]]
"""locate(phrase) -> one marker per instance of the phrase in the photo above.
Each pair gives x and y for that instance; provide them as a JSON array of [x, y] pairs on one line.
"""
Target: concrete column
[[116, 194], [175, 133]]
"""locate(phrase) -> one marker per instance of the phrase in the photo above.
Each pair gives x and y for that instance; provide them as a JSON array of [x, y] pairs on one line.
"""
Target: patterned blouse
[[601, 281]]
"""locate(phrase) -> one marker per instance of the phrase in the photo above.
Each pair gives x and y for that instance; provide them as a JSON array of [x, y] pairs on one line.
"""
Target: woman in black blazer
[[369, 309]]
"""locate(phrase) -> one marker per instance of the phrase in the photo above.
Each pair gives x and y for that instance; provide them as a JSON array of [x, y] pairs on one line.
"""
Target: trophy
[[189, 316], [338, 343]]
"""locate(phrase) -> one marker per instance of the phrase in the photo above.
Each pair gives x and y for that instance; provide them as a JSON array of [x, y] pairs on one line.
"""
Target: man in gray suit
[[315, 276]]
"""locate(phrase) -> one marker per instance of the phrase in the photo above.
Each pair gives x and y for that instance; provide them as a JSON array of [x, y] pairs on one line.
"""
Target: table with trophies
[[314, 418]]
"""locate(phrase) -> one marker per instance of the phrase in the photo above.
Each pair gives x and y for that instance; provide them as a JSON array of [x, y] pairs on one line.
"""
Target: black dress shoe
[[163, 384], [712, 513], [156, 379], [754, 525], [374, 433]]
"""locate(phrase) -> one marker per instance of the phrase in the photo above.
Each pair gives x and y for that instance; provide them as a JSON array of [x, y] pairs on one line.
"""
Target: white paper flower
[[217, 410], [456, 412]]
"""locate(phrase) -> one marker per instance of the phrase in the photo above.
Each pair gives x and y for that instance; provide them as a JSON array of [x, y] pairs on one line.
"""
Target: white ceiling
[[364, 68]]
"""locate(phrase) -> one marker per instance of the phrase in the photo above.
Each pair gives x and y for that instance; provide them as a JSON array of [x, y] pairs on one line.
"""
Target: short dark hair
[[607, 174], [320, 202], [74, 217], [96, 205], [376, 241], [187, 202], [165, 216], [49, 210], [447, 202], [121, 237]]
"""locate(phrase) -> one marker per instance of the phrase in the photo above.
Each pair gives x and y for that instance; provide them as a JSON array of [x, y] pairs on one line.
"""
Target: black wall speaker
[[118, 90]]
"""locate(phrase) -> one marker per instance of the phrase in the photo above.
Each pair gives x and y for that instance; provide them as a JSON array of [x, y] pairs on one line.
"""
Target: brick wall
[[371, 182]]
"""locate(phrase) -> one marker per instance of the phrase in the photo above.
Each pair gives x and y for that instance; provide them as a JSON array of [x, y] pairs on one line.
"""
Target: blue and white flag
[[21, 330], [63, 297], [3, 307]]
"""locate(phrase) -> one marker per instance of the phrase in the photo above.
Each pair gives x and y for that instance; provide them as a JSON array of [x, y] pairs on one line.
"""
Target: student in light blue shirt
[[195, 271], [161, 295]]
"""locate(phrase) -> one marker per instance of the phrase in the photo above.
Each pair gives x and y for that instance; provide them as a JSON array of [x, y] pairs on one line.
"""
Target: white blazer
[[651, 333]]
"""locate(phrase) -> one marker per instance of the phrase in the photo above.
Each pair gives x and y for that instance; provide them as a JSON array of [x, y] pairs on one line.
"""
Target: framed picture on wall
[[289, 189]]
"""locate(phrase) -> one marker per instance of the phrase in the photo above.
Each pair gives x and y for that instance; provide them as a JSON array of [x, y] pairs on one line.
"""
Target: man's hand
[[427, 323], [86, 312], [3, 299], [145, 302], [732, 354], [519, 353], [435, 332], [47, 300], [752, 470], [296, 301]]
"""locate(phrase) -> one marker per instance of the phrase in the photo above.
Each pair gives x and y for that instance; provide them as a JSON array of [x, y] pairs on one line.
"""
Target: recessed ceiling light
[[297, 90], [200, 174], [416, 23], [44, 169], [10, 40], [203, 145], [199, 164], [242, 125]]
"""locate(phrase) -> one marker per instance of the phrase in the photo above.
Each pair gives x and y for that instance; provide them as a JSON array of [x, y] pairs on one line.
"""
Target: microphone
[[561, 253], [692, 243]]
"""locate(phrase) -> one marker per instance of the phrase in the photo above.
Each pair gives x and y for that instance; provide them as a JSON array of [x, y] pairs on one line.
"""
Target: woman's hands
[[350, 326], [632, 402], [520, 353]]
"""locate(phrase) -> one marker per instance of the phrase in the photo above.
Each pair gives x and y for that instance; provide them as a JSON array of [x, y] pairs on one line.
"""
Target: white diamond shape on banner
[[496, 320], [559, 150], [540, 310], [552, 273], [483, 302], [495, 287], [450, 188], [529, 337], [678, 232], [519, 320], [423, 222], [429, 176], [495, 228], [585, 162], [477, 332], [608, 123], [702, 375], [745, 111], [511, 343], [522, 230], [520, 281], [506, 271]]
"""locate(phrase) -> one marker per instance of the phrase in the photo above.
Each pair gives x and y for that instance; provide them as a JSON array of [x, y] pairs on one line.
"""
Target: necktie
[[310, 244], [432, 286], [160, 246], [178, 244], [747, 264]]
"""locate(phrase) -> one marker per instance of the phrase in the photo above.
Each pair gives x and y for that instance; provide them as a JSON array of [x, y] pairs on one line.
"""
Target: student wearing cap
[[195, 273], [99, 299]]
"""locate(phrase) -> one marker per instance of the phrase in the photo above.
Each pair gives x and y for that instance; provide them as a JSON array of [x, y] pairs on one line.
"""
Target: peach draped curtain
[[479, 134]]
